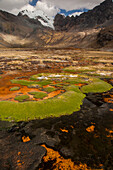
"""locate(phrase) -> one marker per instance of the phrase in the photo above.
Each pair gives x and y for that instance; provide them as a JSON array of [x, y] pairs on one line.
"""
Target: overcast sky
[[51, 7]]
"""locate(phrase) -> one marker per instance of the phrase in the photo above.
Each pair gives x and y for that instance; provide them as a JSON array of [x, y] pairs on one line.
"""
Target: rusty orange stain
[[72, 127], [18, 161], [92, 123], [25, 139], [53, 94], [110, 133], [19, 153], [80, 84], [6, 85], [61, 163], [90, 128], [19, 164], [46, 86], [96, 136], [64, 130], [108, 100]]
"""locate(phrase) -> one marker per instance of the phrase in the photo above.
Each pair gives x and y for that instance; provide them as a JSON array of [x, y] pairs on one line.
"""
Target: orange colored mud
[[53, 94], [60, 162], [6, 94], [46, 86], [80, 84], [6, 85]]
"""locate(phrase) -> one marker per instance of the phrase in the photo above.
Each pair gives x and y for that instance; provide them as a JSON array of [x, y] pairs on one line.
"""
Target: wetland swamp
[[56, 109]]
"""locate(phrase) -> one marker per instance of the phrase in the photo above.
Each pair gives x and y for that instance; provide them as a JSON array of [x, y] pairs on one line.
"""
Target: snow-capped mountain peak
[[41, 16]]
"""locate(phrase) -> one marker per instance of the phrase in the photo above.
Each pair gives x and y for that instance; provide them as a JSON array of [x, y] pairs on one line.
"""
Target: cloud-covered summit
[[50, 7]]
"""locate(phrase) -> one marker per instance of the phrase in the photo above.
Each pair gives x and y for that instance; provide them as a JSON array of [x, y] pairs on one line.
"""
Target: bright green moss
[[97, 86], [23, 82], [74, 81], [58, 85], [69, 70], [44, 82], [14, 88], [73, 88], [34, 86], [64, 104], [38, 95], [21, 98], [49, 89], [29, 83], [81, 69]]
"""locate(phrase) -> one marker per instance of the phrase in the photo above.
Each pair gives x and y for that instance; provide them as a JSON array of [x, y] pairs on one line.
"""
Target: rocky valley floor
[[67, 133]]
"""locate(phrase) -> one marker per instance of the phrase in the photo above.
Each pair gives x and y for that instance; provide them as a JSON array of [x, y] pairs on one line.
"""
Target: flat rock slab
[[15, 154]]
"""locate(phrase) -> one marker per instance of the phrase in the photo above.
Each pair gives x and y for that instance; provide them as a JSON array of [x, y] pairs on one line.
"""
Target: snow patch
[[44, 19]]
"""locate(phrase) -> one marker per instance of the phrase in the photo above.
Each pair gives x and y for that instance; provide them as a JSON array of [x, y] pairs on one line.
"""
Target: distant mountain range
[[92, 29]]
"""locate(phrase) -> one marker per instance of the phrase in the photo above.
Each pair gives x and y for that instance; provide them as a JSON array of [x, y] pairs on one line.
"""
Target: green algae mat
[[64, 104]]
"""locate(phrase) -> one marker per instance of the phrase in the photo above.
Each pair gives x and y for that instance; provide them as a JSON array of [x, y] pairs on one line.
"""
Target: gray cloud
[[51, 7], [73, 4], [11, 4]]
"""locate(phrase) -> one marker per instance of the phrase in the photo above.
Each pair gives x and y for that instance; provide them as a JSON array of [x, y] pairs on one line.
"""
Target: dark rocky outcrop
[[100, 16], [105, 36]]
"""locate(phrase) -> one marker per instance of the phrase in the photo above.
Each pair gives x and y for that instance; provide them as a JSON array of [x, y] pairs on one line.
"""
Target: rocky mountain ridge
[[92, 29], [100, 16]]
